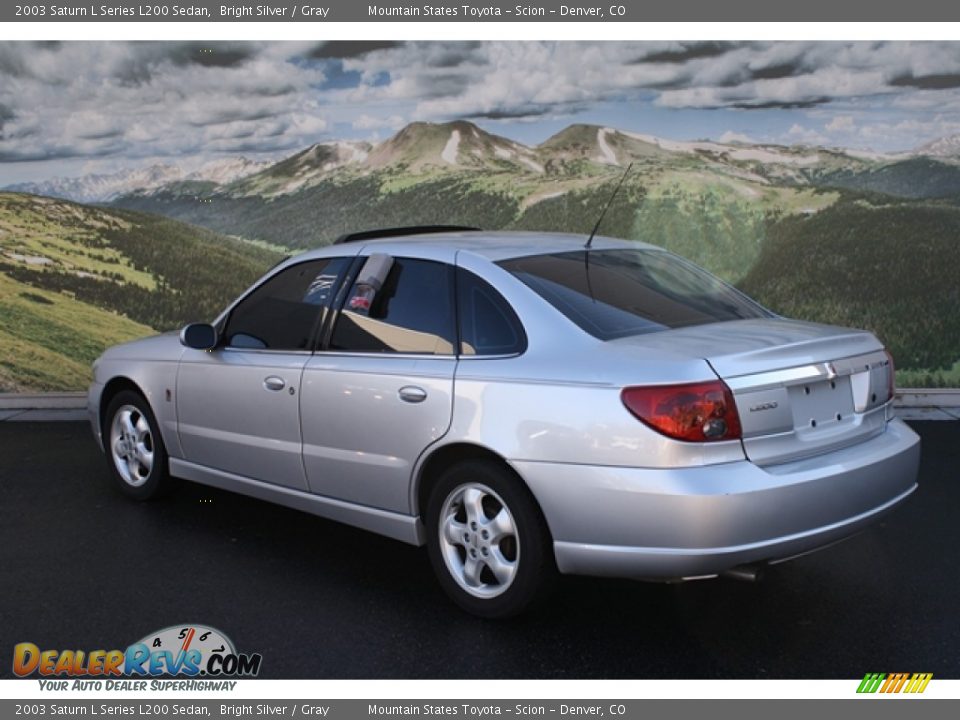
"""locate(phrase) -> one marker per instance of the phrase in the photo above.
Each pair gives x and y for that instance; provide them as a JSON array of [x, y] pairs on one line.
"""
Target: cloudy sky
[[72, 108]]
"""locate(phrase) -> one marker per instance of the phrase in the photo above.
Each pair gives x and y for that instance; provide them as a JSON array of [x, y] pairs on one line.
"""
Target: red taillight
[[891, 377], [696, 412]]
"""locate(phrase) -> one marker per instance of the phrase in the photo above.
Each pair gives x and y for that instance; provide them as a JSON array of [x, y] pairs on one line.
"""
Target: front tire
[[487, 540], [135, 450]]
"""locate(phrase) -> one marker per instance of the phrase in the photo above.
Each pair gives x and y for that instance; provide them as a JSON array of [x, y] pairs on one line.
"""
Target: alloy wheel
[[479, 540], [131, 445]]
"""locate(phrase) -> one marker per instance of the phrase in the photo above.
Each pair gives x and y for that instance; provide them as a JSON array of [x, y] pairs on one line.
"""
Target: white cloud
[[168, 99], [731, 136], [806, 136], [163, 99], [841, 123], [371, 122], [910, 133]]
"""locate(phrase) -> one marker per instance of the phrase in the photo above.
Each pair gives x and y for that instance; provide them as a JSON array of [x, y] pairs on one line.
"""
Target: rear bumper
[[663, 524]]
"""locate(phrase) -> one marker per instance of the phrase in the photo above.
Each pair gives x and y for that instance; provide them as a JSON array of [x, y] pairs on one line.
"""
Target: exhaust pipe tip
[[744, 573]]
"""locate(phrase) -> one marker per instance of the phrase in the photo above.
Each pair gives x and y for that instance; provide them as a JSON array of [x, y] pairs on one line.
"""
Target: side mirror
[[199, 336]]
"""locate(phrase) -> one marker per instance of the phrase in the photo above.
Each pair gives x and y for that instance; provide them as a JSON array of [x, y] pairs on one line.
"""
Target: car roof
[[493, 245]]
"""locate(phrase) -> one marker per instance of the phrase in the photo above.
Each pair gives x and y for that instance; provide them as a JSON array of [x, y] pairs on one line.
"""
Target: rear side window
[[488, 325], [411, 313], [617, 293], [282, 313]]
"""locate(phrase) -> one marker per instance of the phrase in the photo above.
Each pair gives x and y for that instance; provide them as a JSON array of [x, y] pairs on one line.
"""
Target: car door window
[[488, 325], [282, 313], [411, 313]]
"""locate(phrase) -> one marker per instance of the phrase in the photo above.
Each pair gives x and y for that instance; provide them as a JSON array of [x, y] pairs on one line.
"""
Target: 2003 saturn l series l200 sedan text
[[523, 404]]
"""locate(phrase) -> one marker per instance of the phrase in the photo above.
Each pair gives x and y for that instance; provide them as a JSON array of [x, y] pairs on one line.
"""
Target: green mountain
[[892, 267], [583, 147], [75, 279], [422, 147], [919, 177], [298, 171]]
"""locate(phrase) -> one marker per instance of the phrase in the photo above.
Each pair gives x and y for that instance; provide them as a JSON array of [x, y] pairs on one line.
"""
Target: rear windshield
[[617, 293]]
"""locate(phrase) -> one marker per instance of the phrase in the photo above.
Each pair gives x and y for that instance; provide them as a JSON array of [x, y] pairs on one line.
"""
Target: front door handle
[[412, 394], [274, 383]]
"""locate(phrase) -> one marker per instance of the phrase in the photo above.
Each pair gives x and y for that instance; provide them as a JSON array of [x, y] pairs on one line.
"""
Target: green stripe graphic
[[871, 682]]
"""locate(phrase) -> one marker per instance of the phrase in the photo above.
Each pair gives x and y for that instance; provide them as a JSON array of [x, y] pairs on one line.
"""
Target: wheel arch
[[433, 465], [111, 389], [152, 397]]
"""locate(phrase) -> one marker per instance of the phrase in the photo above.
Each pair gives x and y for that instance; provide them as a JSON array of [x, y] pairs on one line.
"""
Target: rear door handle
[[412, 394], [274, 383]]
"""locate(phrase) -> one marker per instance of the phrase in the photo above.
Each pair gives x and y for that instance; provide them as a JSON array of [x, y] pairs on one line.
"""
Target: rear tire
[[488, 542], [134, 447]]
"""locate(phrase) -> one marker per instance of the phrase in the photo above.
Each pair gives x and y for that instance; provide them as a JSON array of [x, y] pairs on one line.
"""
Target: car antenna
[[607, 206]]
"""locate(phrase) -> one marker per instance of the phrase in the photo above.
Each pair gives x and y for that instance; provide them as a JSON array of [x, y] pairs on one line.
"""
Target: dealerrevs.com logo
[[181, 650]]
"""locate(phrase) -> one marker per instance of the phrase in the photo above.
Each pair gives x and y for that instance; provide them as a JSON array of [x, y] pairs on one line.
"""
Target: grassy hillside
[[50, 339], [75, 279], [890, 267], [576, 210]]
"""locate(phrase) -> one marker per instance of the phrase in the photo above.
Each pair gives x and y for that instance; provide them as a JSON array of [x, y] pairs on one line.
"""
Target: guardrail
[[934, 397], [43, 401]]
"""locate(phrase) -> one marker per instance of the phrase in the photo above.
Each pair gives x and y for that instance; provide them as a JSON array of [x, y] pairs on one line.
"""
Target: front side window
[[282, 313], [412, 312], [617, 293]]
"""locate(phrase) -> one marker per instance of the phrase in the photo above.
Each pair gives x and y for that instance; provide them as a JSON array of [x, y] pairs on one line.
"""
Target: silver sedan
[[522, 404]]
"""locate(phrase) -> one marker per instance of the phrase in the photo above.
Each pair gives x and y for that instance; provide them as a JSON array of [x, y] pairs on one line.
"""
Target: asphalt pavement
[[81, 567]]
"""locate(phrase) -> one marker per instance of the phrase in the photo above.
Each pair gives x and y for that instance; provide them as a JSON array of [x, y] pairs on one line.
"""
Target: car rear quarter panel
[[564, 422], [560, 399]]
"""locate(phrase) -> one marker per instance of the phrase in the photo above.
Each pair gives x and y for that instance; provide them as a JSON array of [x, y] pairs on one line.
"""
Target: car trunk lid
[[801, 389]]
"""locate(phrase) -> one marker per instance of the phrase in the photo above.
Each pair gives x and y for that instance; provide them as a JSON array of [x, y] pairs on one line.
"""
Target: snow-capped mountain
[[458, 145], [103, 187], [226, 170], [302, 169], [945, 147]]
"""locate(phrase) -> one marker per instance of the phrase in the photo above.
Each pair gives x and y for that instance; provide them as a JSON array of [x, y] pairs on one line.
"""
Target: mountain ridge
[[460, 145]]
